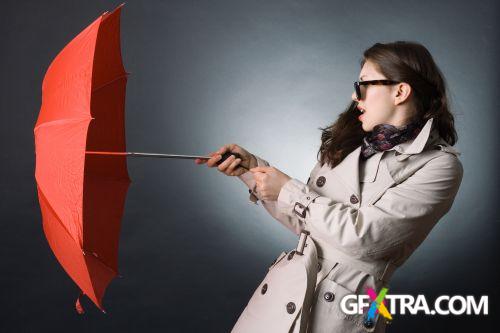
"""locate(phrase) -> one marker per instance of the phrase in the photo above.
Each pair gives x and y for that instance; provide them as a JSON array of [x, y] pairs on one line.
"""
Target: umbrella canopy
[[81, 168], [82, 195]]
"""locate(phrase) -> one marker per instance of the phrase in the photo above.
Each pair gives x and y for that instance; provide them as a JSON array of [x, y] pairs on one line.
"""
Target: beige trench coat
[[364, 219]]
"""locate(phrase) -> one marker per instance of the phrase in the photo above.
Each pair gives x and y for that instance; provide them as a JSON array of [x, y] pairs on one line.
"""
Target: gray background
[[262, 74]]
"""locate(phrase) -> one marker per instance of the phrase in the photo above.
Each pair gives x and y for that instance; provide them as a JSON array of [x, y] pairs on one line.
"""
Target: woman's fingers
[[212, 162], [217, 155], [223, 166], [205, 160], [201, 160], [229, 171], [230, 166]]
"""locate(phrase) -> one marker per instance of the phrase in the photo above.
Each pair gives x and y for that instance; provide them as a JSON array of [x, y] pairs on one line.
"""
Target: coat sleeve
[[293, 223], [401, 217]]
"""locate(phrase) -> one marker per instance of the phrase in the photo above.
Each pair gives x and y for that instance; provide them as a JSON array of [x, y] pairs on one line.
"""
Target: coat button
[[368, 323], [290, 255], [264, 289], [319, 266], [354, 199], [328, 296], [321, 181], [290, 307]]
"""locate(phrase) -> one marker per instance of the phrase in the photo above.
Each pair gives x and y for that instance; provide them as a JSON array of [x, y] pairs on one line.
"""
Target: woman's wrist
[[253, 162]]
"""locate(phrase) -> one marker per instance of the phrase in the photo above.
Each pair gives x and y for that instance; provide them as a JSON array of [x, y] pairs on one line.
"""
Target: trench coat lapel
[[369, 172], [348, 169], [416, 145], [348, 172]]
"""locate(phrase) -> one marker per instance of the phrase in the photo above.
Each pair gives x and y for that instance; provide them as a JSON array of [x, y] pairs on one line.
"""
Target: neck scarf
[[386, 136]]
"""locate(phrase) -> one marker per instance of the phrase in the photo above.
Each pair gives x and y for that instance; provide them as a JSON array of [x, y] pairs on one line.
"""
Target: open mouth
[[362, 110]]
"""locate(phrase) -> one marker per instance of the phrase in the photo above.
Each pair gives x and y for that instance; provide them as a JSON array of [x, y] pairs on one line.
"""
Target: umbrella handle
[[225, 156]]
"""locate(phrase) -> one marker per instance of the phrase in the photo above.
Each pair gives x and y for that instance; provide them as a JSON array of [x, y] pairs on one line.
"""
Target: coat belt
[[380, 269]]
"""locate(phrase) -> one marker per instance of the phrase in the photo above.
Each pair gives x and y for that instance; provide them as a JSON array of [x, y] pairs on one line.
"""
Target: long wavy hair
[[401, 61]]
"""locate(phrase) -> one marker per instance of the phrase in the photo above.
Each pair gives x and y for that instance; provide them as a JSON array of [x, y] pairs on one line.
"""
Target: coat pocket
[[327, 314], [277, 301]]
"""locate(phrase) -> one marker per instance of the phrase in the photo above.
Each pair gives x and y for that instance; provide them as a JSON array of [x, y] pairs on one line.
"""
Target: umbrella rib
[[65, 229], [85, 252], [59, 121], [55, 213], [109, 82]]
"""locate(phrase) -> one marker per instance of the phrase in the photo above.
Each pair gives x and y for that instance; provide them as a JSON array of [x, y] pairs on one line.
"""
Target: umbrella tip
[[78, 304]]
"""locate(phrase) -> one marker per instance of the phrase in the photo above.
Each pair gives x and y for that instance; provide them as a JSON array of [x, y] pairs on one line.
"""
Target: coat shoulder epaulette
[[447, 148]]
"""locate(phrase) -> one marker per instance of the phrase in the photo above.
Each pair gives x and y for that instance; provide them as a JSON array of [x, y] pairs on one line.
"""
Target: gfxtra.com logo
[[388, 305]]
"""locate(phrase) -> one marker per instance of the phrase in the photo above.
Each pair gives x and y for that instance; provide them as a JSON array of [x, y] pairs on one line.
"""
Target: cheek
[[379, 104]]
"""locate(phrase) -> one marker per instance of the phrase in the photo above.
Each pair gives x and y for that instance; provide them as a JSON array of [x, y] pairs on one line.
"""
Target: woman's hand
[[231, 166], [269, 182]]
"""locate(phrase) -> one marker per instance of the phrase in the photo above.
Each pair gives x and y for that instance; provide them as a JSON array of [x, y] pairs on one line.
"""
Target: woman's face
[[378, 100]]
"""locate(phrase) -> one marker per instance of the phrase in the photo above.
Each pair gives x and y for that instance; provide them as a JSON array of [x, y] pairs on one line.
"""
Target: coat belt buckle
[[302, 242]]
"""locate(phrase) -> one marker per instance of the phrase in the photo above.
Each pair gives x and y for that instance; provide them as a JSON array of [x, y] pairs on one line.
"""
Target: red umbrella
[[82, 196], [81, 192]]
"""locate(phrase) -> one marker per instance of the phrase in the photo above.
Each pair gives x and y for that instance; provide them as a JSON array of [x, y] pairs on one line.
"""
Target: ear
[[402, 93]]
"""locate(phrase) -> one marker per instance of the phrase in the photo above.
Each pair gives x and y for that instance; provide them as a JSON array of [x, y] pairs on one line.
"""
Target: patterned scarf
[[386, 136]]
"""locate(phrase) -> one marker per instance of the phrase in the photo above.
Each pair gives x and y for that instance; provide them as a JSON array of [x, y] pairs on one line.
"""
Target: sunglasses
[[358, 84]]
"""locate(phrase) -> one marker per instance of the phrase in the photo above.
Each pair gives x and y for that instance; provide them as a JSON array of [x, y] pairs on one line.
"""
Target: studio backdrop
[[265, 75]]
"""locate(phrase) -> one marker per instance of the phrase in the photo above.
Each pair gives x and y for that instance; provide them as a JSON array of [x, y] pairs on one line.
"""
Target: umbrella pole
[[137, 154]]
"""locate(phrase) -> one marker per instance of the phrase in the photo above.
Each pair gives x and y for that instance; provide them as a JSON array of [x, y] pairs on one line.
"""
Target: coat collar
[[416, 145], [348, 169]]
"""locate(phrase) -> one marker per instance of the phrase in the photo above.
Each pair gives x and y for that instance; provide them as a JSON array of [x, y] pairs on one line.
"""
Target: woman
[[386, 174]]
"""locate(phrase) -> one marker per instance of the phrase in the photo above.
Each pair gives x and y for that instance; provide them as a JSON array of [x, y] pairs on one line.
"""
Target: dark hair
[[401, 61]]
